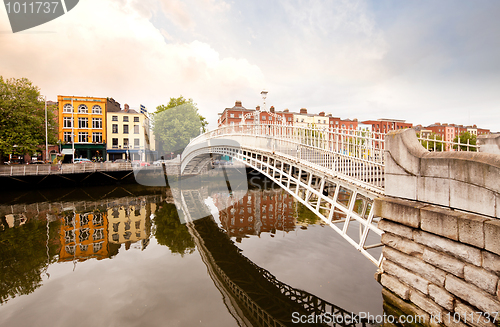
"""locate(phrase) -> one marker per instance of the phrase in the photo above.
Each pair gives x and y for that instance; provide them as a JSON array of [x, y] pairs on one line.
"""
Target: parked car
[[36, 163], [122, 161], [159, 162], [139, 163], [82, 160]]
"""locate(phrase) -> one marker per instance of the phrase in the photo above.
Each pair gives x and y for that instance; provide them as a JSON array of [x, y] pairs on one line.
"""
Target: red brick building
[[234, 116], [386, 125]]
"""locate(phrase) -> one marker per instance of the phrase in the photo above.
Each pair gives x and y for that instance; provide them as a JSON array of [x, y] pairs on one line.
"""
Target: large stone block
[[440, 221], [403, 244], [444, 262], [456, 249], [395, 228], [471, 229], [426, 304], [470, 316], [406, 276], [491, 262], [435, 167], [401, 211], [472, 198], [434, 190], [393, 284], [491, 233], [415, 265], [404, 307], [481, 278], [441, 297], [471, 294]]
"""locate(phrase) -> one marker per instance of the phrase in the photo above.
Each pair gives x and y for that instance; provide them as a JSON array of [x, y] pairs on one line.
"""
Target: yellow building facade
[[82, 120]]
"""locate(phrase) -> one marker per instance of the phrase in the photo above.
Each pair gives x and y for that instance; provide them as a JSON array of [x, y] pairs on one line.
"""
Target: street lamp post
[[72, 131], [46, 133]]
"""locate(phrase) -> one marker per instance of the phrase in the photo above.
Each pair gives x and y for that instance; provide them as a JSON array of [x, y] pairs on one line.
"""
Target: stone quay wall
[[439, 262], [441, 223]]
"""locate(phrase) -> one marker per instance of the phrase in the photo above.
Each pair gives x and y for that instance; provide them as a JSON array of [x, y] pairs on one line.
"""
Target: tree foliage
[[170, 232], [464, 138], [23, 257], [22, 117], [433, 142], [176, 123]]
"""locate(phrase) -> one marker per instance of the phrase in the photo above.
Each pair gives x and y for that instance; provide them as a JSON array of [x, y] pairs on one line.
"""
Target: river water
[[120, 256]]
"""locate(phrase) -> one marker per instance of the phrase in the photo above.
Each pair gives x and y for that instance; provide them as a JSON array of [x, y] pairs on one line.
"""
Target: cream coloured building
[[129, 135]]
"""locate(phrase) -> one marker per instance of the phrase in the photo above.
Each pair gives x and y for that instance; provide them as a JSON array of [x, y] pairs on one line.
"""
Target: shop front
[[94, 152]]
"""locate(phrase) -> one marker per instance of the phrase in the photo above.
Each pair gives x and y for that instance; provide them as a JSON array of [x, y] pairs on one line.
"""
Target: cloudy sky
[[421, 61]]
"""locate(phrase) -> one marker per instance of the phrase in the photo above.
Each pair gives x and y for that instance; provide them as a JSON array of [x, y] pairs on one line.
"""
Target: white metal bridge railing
[[351, 154], [49, 169]]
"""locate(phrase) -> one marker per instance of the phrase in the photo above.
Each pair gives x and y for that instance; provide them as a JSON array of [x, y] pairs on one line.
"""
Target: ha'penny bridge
[[435, 214]]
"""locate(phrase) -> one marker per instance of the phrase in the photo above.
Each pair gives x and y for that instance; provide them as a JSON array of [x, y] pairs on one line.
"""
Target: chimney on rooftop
[[257, 108], [303, 110], [322, 113], [271, 109], [126, 107], [286, 110], [237, 104]]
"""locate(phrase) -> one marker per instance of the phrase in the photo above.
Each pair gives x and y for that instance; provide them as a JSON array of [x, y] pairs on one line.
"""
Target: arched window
[[82, 109], [68, 108], [96, 110]]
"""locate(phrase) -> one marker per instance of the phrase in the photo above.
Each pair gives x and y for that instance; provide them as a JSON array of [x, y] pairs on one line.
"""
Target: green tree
[[170, 232], [23, 256], [433, 142], [176, 123], [464, 138], [22, 117]]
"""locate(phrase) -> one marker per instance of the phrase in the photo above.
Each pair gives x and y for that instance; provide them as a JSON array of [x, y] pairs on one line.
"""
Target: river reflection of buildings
[[100, 233], [257, 212]]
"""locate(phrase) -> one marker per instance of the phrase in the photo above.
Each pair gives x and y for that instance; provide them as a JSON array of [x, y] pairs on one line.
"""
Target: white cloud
[[108, 50]]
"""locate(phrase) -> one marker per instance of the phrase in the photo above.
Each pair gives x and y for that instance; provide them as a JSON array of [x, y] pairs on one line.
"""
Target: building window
[[96, 110], [125, 143], [96, 122], [67, 136], [68, 108], [125, 118], [114, 128], [83, 122], [115, 143], [67, 122], [136, 119], [289, 118], [125, 129], [114, 118], [263, 117], [324, 121], [240, 116], [82, 137], [319, 121], [231, 115], [302, 120], [82, 109], [97, 137], [136, 129], [136, 143]]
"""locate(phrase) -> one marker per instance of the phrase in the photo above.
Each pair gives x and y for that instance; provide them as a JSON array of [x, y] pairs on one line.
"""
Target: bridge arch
[[338, 187]]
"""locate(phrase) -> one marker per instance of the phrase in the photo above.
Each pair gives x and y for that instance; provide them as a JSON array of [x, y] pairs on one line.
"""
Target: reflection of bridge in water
[[251, 293]]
